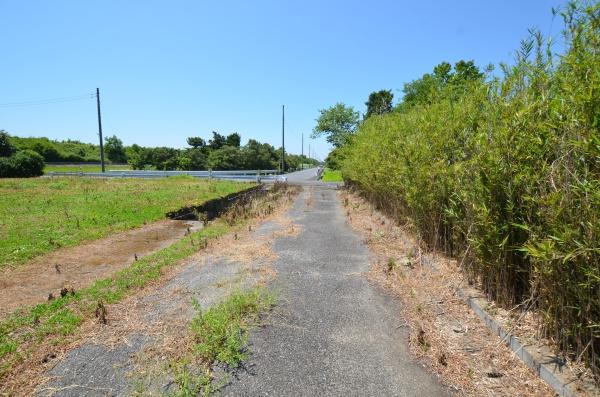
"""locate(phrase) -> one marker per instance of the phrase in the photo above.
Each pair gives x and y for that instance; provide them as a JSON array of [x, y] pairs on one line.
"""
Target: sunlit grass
[[43, 214]]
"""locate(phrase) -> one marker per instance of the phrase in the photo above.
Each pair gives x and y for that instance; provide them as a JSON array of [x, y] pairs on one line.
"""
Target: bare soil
[[78, 267]]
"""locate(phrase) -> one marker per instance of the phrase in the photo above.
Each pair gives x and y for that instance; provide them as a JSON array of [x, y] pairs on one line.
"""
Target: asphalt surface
[[333, 332], [309, 175]]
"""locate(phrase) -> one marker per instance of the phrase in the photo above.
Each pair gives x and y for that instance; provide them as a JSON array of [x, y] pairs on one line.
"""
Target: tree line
[[221, 152]]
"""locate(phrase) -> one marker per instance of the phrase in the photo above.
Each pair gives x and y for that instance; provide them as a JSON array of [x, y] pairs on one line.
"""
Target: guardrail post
[[209, 174]]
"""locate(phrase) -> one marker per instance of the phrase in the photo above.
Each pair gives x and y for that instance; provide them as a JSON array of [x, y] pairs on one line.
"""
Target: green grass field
[[43, 214], [82, 167], [330, 175]]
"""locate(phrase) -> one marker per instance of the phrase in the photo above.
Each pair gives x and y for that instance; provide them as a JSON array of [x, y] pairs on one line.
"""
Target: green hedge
[[505, 173]]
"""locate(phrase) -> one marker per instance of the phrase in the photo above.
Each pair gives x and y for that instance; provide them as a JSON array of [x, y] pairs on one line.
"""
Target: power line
[[48, 101]]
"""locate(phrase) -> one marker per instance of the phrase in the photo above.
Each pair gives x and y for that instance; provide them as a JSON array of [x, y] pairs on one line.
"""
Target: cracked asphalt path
[[333, 332]]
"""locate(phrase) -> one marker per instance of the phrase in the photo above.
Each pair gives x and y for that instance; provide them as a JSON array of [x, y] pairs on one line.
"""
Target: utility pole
[[282, 139], [100, 130], [302, 155]]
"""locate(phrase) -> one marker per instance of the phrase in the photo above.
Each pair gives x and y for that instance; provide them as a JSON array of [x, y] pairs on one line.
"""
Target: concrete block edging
[[539, 358]]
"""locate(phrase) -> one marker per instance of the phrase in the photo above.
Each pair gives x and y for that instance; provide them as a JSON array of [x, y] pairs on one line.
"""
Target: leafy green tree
[[164, 158], [259, 156], [429, 88], [138, 157], [335, 158], [193, 159], [6, 148], [234, 140], [113, 147], [442, 72], [380, 102], [218, 141], [196, 142], [225, 158], [466, 71], [338, 123]]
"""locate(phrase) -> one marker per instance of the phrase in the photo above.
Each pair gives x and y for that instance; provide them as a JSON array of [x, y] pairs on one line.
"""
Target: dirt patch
[[444, 332], [79, 266]]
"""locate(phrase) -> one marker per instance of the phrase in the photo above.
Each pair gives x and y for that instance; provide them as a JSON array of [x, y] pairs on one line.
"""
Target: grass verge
[[330, 175], [41, 215]]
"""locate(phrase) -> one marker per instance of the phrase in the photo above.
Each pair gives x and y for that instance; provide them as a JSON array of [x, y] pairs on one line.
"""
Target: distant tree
[[428, 88], [164, 158], [193, 159], [338, 123], [196, 142], [259, 156], [466, 71], [6, 148], [218, 141], [233, 140], [138, 157], [225, 158], [380, 102], [443, 72], [113, 147]]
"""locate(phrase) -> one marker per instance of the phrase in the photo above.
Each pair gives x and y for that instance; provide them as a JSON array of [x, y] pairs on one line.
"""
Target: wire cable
[[48, 101]]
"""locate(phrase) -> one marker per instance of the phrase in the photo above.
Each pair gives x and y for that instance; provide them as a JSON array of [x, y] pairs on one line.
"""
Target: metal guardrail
[[241, 174]]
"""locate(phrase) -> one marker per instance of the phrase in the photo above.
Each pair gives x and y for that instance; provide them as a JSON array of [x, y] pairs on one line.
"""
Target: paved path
[[333, 333], [309, 175]]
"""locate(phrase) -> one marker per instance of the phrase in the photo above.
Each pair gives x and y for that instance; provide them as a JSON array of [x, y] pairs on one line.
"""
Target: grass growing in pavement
[[220, 334], [330, 175], [43, 214]]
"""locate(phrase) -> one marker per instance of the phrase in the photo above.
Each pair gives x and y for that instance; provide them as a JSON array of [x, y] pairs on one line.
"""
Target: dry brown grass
[[444, 332]]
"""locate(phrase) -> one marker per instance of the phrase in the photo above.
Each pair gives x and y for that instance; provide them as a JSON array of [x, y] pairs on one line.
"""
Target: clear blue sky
[[172, 69]]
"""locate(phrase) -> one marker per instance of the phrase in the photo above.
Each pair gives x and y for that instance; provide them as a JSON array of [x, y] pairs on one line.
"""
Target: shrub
[[25, 163]]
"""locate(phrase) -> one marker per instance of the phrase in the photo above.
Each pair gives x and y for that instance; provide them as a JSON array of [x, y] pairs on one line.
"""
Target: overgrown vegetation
[[44, 214], [504, 173]]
